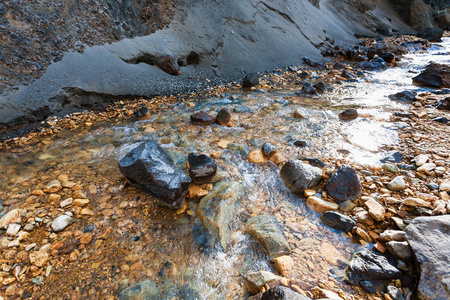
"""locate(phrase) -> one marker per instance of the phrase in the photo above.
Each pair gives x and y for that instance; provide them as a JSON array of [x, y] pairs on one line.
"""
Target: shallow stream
[[152, 243]]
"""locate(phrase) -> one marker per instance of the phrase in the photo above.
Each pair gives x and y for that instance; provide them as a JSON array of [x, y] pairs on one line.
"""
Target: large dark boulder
[[443, 19], [368, 266], [269, 233], [381, 48], [344, 185], [299, 176], [250, 80], [374, 65], [282, 293], [429, 238], [338, 221], [434, 75], [431, 34], [151, 169], [202, 168], [404, 96], [414, 12]]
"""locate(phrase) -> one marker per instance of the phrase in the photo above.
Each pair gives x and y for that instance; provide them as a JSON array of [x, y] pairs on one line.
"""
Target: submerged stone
[[216, 210], [151, 169], [269, 234], [143, 290], [202, 168]]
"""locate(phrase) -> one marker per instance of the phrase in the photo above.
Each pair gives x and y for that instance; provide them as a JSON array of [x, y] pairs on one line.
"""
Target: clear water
[[90, 156]]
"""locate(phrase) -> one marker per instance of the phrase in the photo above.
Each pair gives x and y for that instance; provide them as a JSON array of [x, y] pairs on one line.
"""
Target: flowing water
[[157, 244]]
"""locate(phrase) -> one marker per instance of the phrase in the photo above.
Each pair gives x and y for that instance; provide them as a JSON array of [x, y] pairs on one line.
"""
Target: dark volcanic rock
[[307, 89], [149, 168], [269, 234], [434, 75], [393, 156], [320, 87], [282, 293], [202, 117], [431, 34], [443, 104], [202, 168], [347, 74], [374, 65], [344, 185], [443, 120], [268, 150], [404, 96], [443, 19], [311, 62], [381, 48], [384, 29], [142, 113], [299, 176], [368, 266], [348, 114], [429, 239], [250, 80], [224, 117], [301, 143], [338, 221], [388, 57]]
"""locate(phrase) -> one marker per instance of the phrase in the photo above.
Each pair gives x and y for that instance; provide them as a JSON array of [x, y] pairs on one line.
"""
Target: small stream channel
[[163, 240]]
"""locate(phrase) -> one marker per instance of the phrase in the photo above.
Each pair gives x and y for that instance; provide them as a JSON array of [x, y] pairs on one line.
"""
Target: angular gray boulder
[[429, 238], [299, 176], [344, 185], [151, 169], [269, 233], [216, 210]]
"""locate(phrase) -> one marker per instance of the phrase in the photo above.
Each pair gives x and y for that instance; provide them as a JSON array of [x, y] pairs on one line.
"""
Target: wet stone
[[338, 221], [142, 290], [319, 205], [202, 168], [307, 89], [434, 75], [268, 150], [224, 118], [391, 168], [269, 234], [250, 80], [151, 169], [301, 143], [393, 156], [299, 176], [348, 114], [61, 222], [282, 293], [256, 280], [344, 184], [203, 118]]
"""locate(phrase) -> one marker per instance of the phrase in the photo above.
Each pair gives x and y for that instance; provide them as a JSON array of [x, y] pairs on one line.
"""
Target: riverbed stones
[[53, 187], [284, 265], [250, 80], [445, 186], [375, 209], [151, 169], [397, 184], [256, 156], [412, 201], [202, 168], [344, 184], [39, 258], [443, 104], [203, 118], [338, 221], [394, 293], [256, 280], [407, 96], [299, 176], [392, 235], [147, 290], [435, 75], [61, 222], [270, 235], [319, 205], [429, 239], [216, 210], [224, 118], [368, 266], [348, 114], [421, 159], [13, 216]]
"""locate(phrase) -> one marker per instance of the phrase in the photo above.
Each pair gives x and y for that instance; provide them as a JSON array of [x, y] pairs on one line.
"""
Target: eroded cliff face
[[214, 40]]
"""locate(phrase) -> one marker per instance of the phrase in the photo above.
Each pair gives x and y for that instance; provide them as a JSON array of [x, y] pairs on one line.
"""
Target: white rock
[[12, 216], [397, 184], [13, 229], [445, 186], [416, 202], [427, 168], [421, 159], [61, 222]]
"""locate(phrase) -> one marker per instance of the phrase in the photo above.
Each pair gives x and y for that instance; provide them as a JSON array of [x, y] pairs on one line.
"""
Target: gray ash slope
[[216, 40]]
